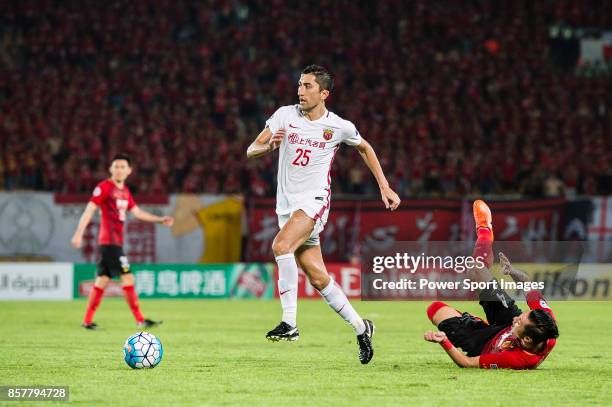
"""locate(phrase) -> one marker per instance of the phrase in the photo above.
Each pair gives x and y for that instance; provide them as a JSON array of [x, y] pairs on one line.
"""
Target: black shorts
[[470, 333], [113, 262]]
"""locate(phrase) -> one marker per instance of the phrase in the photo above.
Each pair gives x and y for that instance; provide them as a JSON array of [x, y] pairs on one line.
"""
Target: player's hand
[[390, 198], [435, 337], [167, 221], [506, 266], [76, 242], [276, 139]]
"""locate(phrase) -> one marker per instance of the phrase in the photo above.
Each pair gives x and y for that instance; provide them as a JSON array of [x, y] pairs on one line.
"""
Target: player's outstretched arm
[[149, 217], [455, 354], [389, 197], [77, 238], [507, 269], [265, 142]]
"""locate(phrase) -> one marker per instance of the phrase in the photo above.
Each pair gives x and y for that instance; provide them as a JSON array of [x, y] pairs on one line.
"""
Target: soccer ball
[[142, 351]]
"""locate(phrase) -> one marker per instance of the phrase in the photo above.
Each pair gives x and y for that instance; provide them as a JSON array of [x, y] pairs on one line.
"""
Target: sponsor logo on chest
[[506, 341], [294, 138], [119, 195]]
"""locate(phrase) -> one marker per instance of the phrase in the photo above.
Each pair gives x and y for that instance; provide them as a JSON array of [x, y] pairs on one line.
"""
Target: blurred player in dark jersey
[[114, 199], [509, 338]]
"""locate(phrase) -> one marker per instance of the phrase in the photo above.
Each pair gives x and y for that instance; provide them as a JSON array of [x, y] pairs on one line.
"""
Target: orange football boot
[[482, 216]]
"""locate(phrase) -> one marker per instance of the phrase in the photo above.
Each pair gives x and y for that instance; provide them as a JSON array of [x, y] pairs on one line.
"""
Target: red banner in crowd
[[347, 276], [356, 226], [528, 220]]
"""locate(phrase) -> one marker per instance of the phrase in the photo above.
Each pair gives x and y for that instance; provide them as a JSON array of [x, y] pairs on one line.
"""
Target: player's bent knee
[[102, 281], [439, 311], [433, 308], [127, 279], [280, 247]]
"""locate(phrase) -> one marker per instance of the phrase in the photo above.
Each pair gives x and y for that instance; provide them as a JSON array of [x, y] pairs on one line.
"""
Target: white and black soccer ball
[[143, 351]]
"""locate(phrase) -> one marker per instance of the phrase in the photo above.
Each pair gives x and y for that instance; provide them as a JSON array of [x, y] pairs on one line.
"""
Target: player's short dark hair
[[542, 328], [322, 76], [121, 156]]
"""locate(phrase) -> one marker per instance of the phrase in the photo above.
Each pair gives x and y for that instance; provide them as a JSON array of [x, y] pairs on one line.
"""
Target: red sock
[[95, 297], [132, 299], [484, 246], [433, 308]]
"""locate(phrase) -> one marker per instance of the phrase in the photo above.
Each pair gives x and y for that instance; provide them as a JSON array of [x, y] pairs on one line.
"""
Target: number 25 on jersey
[[302, 157]]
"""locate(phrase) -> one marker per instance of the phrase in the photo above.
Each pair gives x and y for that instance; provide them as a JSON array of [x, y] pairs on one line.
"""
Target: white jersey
[[306, 155]]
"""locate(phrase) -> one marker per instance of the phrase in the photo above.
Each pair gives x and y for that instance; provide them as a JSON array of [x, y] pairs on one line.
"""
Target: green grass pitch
[[216, 354]]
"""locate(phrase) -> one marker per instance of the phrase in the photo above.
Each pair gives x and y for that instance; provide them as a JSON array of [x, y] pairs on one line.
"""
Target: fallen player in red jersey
[[509, 338]]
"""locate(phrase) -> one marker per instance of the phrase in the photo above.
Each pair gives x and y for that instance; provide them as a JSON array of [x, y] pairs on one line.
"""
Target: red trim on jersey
[[322, 211], [535, 300]]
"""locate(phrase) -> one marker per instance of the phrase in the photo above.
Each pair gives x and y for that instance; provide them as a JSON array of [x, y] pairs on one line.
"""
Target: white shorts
[[317, 210]]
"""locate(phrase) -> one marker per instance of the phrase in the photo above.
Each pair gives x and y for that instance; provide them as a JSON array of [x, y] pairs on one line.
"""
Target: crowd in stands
[[457, 97]]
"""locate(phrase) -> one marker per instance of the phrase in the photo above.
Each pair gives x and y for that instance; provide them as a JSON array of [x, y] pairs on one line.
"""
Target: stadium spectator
[[179, 85]]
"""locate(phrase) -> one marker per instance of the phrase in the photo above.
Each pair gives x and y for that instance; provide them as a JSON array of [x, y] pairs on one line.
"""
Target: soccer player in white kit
[[308, 136]]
